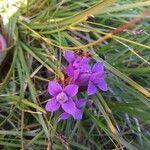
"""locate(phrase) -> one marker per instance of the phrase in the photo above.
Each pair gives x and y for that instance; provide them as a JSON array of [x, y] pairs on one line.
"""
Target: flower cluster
[[80, 76]]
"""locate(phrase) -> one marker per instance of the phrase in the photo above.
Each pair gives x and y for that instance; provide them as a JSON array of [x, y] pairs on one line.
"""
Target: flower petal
[[54, 88], [85, 67], [80, 103], [64, 116], [76, 74], [52, 105], [84, 64], [85, 60], [70, 70], [2, 42], [76, 62], [96, 77], [71, 90], [91, 89], [69, 56], [98, 67], [78, 114], [83, 79], [69, 106], [102, 85]]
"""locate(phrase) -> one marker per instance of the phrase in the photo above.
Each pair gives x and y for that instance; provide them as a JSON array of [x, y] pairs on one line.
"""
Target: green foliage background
[[38, 32]]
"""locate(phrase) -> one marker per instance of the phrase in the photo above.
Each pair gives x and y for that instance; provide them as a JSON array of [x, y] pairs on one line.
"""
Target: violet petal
[[52, 105], [80, 103], [76, 62], [96, 77], [64, 116], [98, 67], [91, 89], [71, 90], [76, 74], [83, 79], [85, 60], [102, 85], [70, 70], [54, 88], [2, 42], [69, 56], [85, 67], [78, 114], [69, 106]]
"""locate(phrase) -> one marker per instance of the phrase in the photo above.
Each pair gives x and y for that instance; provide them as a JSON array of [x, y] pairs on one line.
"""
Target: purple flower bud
[[76, 63]]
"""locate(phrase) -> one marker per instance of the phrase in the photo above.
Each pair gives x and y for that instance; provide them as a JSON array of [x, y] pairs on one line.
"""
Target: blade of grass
[[33, 92], [96, 9]]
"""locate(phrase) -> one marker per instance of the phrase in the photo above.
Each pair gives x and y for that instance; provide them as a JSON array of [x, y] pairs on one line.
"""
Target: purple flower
[[92, 79], [76, 63], [62, 97], [78, 114], [2, 42]]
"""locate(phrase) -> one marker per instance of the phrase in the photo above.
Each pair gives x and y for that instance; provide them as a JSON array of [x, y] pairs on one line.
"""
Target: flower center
[[62, 97]]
